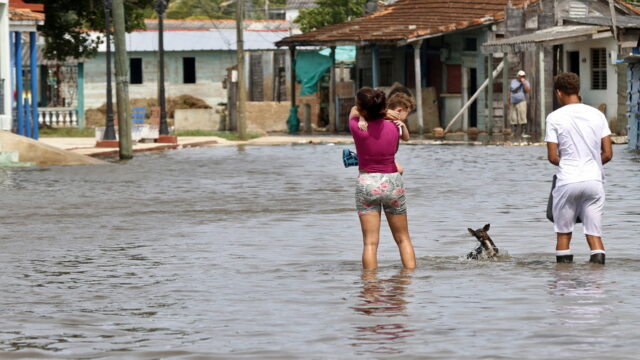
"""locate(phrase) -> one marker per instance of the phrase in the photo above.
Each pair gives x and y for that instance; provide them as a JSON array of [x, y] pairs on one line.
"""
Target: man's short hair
[[401, 100], [568, 83]]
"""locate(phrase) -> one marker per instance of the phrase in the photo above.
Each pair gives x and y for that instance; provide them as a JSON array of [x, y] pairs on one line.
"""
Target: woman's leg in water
[[400, 230], [370, 223]]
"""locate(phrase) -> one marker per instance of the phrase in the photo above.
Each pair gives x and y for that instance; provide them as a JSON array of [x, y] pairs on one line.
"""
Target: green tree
[[329, 12], [67, 21]]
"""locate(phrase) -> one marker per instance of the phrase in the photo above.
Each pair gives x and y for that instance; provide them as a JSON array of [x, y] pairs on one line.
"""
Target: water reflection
[[383, 298], [580, 292]]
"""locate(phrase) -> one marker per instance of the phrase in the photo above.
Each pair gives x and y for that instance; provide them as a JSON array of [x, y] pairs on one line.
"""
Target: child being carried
[[399, 106]]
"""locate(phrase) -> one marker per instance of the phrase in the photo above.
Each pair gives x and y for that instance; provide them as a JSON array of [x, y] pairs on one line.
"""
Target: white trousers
[[584, 199]]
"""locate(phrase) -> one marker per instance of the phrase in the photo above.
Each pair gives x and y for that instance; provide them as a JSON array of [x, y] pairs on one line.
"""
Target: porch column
[[292, 54], [20, 129], [418, 79], [541, 75], [375, 71], [332, 92], [33, 62], [505, 91], [465, 97], [490, 94]]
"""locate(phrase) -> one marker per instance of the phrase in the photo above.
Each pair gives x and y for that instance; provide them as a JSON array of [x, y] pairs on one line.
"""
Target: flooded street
[[238, 253]]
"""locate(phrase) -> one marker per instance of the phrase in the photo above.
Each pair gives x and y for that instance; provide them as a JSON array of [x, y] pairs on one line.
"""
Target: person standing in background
[[518, 89]]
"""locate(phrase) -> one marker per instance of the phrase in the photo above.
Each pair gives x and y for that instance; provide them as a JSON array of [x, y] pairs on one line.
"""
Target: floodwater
[[254, 253]]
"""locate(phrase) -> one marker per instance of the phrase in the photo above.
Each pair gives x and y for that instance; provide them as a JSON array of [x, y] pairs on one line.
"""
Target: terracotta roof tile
[[20, 4], [408, 19], [24, 15]]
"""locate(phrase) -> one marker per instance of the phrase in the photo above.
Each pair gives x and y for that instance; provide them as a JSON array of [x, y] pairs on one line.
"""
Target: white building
[[5, 67]]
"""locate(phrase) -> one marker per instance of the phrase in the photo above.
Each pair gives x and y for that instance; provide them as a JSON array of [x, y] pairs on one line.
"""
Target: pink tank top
[[376, 147]]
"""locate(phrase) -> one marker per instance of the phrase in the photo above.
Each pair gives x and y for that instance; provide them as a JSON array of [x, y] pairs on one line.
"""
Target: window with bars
[[599, 69]]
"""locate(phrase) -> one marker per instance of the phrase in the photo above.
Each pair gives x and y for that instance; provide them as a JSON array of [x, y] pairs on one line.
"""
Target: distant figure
[[519, 87], [379, 185], [579, 143]]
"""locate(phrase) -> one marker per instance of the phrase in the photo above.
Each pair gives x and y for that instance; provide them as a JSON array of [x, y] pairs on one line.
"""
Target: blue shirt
[[517, 90]]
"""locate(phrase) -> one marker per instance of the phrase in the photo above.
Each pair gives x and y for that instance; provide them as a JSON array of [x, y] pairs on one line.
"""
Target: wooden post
[[292, 54], [375, 71], [242, 92], [418, 79], [490, 94], [307, 118], [541, 89], [122, 85], [505, 91], [332, 91], [465, 97]]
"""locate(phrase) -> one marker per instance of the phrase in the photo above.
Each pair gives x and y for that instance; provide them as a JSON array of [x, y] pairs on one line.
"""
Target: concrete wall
[[42, 154], [196, 119], [5, 65], [210, 71], [597, 97], [267, 116]]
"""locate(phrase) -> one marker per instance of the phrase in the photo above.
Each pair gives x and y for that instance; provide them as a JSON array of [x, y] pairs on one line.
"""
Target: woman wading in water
[[379, 185]]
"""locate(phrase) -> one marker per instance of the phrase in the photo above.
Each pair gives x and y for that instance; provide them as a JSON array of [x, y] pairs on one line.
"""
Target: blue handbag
[[349, 158]]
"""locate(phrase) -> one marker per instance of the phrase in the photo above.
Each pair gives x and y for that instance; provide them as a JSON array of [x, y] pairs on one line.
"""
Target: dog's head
[[488, 247]]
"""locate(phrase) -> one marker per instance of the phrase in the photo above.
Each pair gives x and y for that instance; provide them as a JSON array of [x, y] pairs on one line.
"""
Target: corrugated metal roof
[[529, 41], [211, 40], [250, 25]]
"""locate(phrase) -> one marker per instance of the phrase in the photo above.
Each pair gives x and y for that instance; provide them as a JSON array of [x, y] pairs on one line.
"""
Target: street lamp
[[160, 6], [109, 130]]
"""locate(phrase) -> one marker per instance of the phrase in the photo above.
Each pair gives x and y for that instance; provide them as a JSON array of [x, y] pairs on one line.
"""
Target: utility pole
[[109, 129], [122, 85], [242, 93]]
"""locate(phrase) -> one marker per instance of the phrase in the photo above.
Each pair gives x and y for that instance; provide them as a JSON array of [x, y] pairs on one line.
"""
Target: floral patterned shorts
[[379, 190]]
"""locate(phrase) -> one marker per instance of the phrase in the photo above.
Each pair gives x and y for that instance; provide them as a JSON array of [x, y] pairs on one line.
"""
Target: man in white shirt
[[579, 143]]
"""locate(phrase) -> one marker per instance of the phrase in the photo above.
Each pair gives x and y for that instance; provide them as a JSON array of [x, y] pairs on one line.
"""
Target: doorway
[[573, 59], [473, 86]]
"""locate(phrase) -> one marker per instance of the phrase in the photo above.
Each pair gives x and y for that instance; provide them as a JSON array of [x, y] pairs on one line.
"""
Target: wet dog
[[486, 247]]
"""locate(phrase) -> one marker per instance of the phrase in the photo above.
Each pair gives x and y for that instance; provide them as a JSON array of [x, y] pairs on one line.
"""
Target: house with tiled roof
[[584, 37], [437, 45]]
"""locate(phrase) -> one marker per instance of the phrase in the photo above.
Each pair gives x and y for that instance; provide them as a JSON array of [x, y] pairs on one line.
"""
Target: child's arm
[[362, 124], [404, 130]]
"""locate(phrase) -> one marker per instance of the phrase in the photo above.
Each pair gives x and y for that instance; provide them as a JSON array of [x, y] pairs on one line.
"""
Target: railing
[[58, 116]]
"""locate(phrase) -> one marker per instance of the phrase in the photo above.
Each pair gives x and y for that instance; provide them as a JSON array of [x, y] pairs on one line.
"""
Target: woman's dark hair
[[371, 103], [568, 83]]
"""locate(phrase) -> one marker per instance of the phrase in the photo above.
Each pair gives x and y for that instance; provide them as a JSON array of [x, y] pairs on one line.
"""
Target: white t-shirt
[[578, 130]]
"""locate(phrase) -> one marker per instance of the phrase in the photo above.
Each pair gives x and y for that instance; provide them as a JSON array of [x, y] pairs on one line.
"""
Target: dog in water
[[486, 247]]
